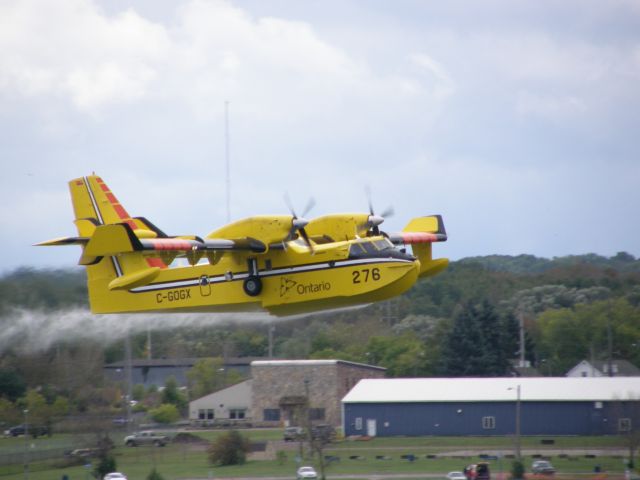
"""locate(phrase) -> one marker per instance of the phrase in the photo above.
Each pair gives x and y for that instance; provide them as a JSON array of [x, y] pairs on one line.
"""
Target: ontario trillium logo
[[286, 285]]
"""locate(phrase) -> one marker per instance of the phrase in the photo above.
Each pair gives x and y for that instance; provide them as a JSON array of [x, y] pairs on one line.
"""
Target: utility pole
[[609, 341], [272, 329], [26, 444], [129, 375], [518, 421], [522, 344]]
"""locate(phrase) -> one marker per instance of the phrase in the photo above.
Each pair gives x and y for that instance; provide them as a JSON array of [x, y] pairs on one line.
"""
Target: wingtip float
[[283, 264]]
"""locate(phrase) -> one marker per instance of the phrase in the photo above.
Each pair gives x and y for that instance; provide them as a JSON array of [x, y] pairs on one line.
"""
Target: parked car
[[291, 434], [84, 452], [33, 430], [477, 471], [543, 466], [146, 438], [306, 473], [114, 476], [456, 476]]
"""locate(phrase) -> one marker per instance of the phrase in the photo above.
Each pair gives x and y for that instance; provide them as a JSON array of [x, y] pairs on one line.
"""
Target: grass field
[[379, 456]]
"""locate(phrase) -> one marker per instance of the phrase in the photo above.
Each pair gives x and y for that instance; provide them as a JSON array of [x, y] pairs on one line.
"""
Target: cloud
[[214, 50], [74, 50]]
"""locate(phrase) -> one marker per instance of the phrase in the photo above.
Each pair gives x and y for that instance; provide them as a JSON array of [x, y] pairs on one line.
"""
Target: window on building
[[202, 414], [210, 414], [358, 423], [316, 413], [271, 414], [583, 374], [624, 424], [237, 413], [488, 423]]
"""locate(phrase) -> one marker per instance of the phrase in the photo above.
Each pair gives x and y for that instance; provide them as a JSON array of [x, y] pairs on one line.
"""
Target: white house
[[601, 368]]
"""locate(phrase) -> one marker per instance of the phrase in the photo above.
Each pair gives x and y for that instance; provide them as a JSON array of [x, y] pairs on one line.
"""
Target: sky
[[516, 121]]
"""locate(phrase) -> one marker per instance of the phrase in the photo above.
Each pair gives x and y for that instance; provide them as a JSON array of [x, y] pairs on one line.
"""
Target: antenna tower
[[226, 156]]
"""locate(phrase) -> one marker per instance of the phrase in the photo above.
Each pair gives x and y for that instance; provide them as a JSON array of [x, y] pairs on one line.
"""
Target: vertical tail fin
[[94, 203]]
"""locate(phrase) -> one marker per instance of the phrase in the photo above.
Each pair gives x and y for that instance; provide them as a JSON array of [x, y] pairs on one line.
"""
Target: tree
[[475, 344], [566, 336], [39, 411], [172, 395], [12, 385], [209, 375], [9, 413], [230, 448], [463, 348], [402, 356], [496, 359], [203, 377], [165, 413]]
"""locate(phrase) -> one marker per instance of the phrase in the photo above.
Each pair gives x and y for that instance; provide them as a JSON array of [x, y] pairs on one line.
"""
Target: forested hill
[[571, 306], [622, 262], [495, 277]]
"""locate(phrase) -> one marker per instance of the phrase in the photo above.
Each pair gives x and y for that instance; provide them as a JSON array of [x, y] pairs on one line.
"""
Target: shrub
[[154, 475], [165, 413], [107, 464], [230, 448], [517, 470]]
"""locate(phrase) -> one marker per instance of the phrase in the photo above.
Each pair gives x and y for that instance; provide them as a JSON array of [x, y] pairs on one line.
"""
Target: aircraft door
[[205, 286]]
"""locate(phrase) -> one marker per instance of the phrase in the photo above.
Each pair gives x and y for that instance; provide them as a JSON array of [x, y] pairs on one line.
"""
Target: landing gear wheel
[[252, 286]]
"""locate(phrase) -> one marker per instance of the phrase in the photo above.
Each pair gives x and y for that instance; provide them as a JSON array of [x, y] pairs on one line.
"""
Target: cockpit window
[[356, 249], [381, 248], [369, 247], [383, 244]]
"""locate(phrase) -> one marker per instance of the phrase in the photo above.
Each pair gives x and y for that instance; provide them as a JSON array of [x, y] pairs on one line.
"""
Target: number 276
[[364, 275]]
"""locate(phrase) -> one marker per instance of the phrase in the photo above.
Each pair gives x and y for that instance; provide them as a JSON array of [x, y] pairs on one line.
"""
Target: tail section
[[111, 241]]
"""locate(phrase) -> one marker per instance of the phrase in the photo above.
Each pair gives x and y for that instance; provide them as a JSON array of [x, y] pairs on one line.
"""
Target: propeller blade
[[289, 204], [389, 212], [374, 221], [310, 204], [298, 223], [303, 234], [367, 190]]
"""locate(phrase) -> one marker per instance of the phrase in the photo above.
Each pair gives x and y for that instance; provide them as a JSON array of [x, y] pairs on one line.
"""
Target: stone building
[[281, 388]]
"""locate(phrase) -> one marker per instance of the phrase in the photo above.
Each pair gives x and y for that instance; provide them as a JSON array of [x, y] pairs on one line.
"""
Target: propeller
[[299, 222], [374, 221]]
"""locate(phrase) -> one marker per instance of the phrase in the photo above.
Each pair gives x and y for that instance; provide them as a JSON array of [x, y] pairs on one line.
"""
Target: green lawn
[[178, 461]]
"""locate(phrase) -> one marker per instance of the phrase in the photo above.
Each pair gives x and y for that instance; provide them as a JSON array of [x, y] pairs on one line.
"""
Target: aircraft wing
[[114, 239]]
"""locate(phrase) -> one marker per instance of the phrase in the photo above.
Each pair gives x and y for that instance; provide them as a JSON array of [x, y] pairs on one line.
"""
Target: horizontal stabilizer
[[134, 279], [63, 241]]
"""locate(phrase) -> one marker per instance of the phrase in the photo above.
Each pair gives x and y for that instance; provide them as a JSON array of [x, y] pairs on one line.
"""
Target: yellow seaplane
[[284, 264]]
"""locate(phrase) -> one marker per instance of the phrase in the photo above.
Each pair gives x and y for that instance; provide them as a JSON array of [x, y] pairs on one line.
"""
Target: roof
[[228, 388], [178, 362], [620, 367], [504, 389], [310, 363]]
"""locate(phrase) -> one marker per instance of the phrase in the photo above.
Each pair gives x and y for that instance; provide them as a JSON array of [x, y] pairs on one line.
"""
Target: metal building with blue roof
[[492, 406]]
